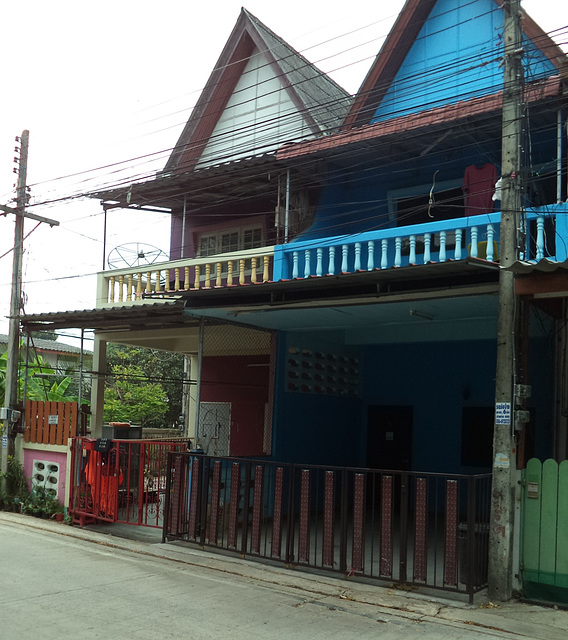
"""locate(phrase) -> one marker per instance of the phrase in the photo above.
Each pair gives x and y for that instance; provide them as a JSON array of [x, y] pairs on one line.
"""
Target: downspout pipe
[[182, 249]]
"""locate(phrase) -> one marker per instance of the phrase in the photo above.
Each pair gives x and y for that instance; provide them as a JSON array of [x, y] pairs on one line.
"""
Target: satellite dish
[[135, 254]]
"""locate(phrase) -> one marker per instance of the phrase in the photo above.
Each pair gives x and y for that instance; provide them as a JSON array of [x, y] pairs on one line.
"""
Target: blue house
[[334, 272]]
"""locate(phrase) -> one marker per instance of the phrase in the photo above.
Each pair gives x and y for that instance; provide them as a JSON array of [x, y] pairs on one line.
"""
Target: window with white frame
[[229, 240]]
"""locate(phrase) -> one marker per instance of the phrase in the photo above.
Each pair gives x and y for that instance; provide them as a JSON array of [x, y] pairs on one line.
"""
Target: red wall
[[242, 381]]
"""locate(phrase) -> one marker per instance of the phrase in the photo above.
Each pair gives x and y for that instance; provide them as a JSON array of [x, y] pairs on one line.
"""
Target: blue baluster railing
[[439, 241]]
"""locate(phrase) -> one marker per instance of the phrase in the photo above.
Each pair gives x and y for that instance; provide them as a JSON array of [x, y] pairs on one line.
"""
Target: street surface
[[57, 585]]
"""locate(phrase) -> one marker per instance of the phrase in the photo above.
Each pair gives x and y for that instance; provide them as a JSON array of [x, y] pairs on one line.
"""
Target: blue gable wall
[[456, 56]]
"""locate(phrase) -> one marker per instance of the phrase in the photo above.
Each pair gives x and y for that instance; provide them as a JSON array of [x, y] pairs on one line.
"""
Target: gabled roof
[[322, 103], [398, 44]]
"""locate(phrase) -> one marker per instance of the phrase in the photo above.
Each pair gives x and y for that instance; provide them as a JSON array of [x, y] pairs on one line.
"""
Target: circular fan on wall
[[135, 254]]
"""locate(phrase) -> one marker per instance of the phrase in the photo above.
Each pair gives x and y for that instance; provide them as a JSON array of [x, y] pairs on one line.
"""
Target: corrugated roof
[[49, 345], [148, 315], [545, 265], [550, 88]]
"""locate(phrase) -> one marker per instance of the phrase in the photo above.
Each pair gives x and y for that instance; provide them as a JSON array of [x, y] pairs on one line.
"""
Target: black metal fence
[[415, 528]]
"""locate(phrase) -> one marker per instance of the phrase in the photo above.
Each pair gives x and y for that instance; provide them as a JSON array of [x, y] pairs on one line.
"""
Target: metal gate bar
[[401, 526]]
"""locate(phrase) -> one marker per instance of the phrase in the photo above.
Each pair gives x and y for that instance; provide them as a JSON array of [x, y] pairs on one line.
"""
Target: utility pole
[[9, 416], [504, 462], [13, 360]]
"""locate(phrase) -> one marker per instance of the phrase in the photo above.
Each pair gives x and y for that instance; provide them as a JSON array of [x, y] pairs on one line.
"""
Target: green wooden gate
[[544, 542]]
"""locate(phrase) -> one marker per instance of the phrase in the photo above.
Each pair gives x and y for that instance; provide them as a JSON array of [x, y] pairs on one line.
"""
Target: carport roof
[[146, 315]]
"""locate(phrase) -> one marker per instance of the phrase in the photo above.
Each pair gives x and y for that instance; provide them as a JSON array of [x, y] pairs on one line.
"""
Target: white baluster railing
[[427, 248], [458, 247], [473, 250], [370, 255], [344, 258], [384, 253], [539, 238], [307, 265], [489, 252], [412, 255], [442, 255]]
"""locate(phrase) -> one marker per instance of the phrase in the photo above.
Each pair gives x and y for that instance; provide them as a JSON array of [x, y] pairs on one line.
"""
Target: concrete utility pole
[[504, 463], [13, 352], [12, 363]]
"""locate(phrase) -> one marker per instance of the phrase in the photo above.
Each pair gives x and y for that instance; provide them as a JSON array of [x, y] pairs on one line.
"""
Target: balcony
[[131, 285], [434, 242]]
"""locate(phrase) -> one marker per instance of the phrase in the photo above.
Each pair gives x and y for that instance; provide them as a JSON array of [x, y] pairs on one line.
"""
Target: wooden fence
[[544, 550], [53, 422]]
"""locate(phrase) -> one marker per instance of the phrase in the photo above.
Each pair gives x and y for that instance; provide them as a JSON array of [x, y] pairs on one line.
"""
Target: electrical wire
[[142, 175]]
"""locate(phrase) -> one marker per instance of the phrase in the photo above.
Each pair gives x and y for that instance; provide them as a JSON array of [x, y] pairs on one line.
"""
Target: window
[[207, 245], [411, 205], [227, 241], [252, 238]]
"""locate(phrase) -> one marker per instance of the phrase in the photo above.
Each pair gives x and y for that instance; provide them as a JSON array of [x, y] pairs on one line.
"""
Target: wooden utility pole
[[13, 359], [500, 579]]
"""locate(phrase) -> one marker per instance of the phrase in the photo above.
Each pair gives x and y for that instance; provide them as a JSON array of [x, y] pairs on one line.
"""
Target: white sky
[[104, 82]]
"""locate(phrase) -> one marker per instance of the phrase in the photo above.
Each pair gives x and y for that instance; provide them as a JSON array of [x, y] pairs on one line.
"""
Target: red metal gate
[[119, 480]]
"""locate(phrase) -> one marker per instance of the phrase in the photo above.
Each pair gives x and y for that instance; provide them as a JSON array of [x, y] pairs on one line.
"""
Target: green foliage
[[131, 397], [54, 388], [45, 335], [154, 367], [16, 488], [41, 501]]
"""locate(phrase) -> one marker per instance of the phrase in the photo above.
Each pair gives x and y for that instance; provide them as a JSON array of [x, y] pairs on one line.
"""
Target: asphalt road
[[59, 586]]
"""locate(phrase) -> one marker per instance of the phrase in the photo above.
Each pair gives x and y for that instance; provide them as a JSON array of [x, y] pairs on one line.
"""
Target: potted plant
[[16, 490]]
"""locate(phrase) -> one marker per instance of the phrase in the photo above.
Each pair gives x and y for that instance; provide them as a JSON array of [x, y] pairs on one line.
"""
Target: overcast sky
[[106, 82]]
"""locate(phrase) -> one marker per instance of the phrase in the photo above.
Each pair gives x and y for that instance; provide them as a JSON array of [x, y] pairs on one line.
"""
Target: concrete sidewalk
[[514, 619]]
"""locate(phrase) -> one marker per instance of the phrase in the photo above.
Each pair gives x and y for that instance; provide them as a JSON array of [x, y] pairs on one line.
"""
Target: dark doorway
[[389, 437]]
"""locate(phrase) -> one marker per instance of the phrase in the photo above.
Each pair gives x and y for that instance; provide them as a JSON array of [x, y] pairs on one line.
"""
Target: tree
[[37, 386], [162, 367], [45, 335], [131, 397]]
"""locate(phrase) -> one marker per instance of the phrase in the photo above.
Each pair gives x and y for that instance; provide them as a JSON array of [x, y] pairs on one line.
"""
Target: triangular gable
[[260, 94], [443, 51]]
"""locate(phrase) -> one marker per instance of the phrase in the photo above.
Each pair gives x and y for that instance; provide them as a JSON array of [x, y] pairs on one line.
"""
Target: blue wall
[[436, 379], [356, 201], [456, 56]]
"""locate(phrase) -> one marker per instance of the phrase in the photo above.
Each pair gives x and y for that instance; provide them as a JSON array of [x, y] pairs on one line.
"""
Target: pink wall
[[53, 457]]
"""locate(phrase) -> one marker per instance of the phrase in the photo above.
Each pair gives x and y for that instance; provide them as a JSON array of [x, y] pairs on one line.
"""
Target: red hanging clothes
[[478, 188]]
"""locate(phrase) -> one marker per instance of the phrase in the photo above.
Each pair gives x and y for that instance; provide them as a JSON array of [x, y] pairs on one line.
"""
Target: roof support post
[[98, 386]]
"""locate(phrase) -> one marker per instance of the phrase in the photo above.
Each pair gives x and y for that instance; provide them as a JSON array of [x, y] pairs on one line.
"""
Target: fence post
[[246, 508], [470, 540], [166, 525], [203, 499], [403, 526], [291, 515], [344, 528]]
